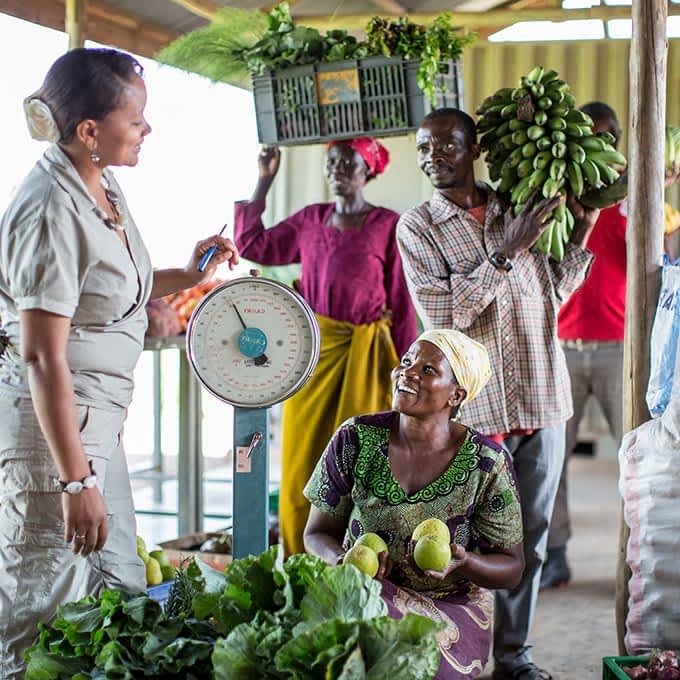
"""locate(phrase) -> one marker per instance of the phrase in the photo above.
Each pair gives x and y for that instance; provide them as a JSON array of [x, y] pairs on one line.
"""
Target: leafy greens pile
[[431, 44], [263, 619], [239, 44]]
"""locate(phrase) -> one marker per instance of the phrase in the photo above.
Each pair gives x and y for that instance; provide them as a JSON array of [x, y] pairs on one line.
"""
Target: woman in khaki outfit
[[74, 279]]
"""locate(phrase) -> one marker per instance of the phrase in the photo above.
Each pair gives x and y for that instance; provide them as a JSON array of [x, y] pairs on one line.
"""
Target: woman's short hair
[[86, 83]]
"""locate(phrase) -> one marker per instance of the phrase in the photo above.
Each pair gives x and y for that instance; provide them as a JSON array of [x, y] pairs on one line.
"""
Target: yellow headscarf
[[468, 359]]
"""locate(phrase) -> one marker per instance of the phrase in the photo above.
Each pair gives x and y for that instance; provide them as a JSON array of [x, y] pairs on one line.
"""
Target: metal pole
[[190, 460], [644, 238], [251, 481], [75, 22], [157, 455]]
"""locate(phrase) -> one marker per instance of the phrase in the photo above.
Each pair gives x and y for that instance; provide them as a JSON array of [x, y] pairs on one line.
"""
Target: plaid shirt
[[514, 314]]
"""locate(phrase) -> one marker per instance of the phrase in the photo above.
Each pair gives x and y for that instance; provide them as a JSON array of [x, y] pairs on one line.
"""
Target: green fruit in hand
[[372, 541], [154, 575], [168, 572], [160, 557], [363, 558], [431, 553], [433, 527]]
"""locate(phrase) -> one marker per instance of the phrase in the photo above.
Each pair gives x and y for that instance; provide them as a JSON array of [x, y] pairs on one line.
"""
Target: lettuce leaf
[[43, 665], [242, 655], [343, 593], [252, 584], [403, 648], [303, 570], [320, 652]]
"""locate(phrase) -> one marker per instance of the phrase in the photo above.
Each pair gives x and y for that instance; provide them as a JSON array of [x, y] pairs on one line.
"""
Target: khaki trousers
[[38, 571]]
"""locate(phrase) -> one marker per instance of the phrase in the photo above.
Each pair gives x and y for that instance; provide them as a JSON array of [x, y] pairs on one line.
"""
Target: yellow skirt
[[351, 378]]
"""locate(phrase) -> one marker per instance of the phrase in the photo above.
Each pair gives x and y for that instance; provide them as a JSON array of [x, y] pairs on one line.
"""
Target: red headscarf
[[371, 150]]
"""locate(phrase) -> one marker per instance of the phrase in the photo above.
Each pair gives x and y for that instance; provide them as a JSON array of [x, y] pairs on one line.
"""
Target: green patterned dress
[[476, 497]]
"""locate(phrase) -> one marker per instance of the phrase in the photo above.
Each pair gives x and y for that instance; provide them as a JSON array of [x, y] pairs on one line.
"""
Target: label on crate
[[338, 87]]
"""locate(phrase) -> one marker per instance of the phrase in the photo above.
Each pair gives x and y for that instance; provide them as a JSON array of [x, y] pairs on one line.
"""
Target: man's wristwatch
[[500, 261], [75, 487]]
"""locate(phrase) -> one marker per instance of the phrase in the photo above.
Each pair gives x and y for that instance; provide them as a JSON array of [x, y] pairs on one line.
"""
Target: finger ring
[[77, 536]]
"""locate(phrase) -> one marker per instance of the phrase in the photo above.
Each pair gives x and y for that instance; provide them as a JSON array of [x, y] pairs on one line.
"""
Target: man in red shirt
[[590, 327]]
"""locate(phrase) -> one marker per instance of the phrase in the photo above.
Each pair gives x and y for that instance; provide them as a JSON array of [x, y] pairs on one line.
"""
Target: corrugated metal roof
[[163, 12], [174, 16]]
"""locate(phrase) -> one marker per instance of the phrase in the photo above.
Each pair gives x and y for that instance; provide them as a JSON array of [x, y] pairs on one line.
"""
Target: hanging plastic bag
[[665, 341], [649, 459]]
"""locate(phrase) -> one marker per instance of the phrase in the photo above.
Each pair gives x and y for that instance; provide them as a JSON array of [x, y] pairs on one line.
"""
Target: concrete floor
[[574, 626]]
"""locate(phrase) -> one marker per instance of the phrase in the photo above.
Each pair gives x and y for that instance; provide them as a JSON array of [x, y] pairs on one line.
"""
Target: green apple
[[432, 527], [431, 554], [372, 541], [169, 572], [363, 558], [160, 557]]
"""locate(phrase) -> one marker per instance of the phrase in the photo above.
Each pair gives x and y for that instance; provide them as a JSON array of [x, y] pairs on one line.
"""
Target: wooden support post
[[644, 237], [76, 19]]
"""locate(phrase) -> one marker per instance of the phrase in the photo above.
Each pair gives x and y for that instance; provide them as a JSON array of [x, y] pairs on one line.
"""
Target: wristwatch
[[500, 261], [75, 487]]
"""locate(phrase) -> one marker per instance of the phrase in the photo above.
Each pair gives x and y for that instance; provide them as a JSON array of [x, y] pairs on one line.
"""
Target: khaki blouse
[[58, 254]]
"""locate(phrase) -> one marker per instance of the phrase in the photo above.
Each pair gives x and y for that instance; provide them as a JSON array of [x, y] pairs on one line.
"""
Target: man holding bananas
[[469, 266]]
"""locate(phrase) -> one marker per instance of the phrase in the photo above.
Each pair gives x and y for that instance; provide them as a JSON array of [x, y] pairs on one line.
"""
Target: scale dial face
[[253, 342]]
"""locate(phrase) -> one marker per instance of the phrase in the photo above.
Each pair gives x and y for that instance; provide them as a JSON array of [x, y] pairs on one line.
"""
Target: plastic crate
[[377, 96], [612, 666]]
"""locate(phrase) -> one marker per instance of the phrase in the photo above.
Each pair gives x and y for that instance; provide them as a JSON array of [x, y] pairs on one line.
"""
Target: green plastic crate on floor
[[612, 666]]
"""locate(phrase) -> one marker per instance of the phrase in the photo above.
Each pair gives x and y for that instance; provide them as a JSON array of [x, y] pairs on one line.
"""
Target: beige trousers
[[38, 571]]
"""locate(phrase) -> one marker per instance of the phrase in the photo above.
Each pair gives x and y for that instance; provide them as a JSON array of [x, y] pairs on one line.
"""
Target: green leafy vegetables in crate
[[263, 619], [431, 44], [536, 140], [239, 44]]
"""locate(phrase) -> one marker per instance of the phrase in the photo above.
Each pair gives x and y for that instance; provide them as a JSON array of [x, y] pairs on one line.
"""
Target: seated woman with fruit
[[417, 473]]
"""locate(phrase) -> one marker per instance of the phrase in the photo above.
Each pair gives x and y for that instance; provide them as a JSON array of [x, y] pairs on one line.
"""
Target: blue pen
[[208, 255]]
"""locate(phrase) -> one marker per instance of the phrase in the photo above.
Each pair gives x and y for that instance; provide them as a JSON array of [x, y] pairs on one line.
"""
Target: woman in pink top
[[352, 278]]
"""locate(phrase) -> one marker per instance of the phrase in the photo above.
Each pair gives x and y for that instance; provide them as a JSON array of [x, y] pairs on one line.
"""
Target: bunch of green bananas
[[672, 148], [536, 140]]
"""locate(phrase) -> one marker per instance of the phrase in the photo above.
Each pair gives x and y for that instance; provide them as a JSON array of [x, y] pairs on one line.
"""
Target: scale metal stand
[[252, 342]]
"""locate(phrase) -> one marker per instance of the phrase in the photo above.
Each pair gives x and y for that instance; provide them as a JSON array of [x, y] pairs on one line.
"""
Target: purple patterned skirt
[[465, 643]]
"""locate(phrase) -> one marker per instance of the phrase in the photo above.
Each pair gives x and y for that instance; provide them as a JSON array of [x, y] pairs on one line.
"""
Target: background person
[[352, 278], [387, 472], [469, 265], [591, 328], [74, 279]]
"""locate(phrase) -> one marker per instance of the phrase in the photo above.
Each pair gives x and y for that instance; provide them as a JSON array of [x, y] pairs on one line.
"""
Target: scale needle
[[259, 360], [238, 314]]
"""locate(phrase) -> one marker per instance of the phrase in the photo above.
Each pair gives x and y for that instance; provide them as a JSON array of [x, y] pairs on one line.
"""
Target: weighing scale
[[252, 342]]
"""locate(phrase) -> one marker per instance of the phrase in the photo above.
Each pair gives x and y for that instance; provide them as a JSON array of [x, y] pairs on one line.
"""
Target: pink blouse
[[349, 275]]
